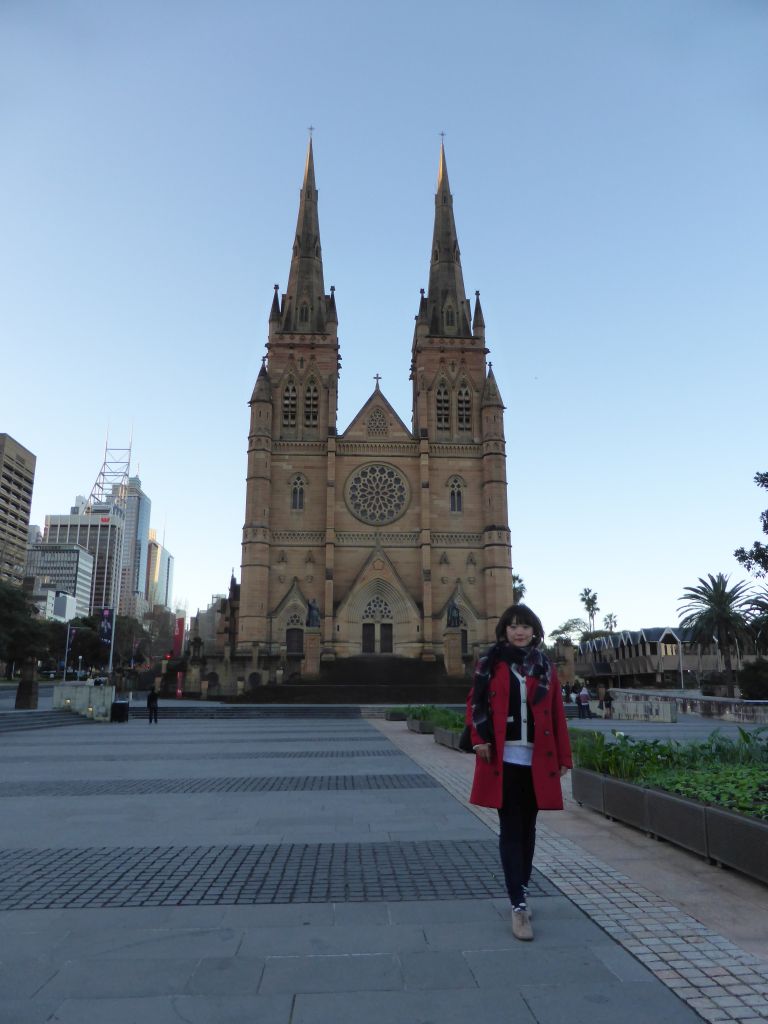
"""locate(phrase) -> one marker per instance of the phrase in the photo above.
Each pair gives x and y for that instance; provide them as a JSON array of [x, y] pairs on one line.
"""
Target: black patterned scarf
[[529, 661]]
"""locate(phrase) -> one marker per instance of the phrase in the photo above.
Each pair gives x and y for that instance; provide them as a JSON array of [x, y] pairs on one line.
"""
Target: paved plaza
[[301, 871]]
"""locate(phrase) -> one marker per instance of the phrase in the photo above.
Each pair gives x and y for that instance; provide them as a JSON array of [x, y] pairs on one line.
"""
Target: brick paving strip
[[716, 978], [272, 873]]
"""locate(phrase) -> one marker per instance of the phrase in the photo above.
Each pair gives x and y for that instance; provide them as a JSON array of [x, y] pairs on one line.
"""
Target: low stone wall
[[728, 709], [634, 705], [85, 699]]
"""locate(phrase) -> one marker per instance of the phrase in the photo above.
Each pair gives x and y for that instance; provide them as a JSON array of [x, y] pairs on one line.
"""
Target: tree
[[755, 560], [609, 622], [712, 610], [22, 638], [518, 588], [589, 600], [758, 623], [753, 680], [19, 635], [571, 631]]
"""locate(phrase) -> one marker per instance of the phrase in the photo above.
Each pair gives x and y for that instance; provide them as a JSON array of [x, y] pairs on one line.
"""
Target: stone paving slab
[[710, 973], [365, 956]]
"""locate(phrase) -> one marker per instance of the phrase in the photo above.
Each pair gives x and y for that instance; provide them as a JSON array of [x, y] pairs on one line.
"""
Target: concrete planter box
[[588, 789], [738, 841], [395, 716], [447, 737], [625, 802], [733, 840], [417, 725], [679, 821]]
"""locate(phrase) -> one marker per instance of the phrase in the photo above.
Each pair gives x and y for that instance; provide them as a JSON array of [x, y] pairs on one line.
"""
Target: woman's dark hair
[[522, 614]]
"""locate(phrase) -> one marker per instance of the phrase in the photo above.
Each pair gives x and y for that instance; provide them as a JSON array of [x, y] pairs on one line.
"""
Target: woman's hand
[[483, 751], [563, 770]]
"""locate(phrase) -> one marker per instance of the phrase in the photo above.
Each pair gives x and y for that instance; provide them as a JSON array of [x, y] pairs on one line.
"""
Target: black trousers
[[517, 829], [152, 715]]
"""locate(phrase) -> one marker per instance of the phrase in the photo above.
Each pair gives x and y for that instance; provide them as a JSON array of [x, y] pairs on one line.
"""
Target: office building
[[68, 567], [98, 527], [17, 478], [133, 583], [159, 573]]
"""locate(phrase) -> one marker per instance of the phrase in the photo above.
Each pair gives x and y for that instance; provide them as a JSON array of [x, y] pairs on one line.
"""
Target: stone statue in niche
[[452, 614], [313, 613]]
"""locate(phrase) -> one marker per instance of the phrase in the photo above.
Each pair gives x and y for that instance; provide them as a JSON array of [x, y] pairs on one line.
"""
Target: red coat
[[551, 746]]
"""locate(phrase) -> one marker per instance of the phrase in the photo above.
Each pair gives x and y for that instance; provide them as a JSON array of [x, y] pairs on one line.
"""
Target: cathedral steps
[[22, 721]]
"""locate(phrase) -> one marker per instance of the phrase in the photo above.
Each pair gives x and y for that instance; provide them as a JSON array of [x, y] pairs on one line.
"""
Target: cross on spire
[[377, 378], [311, 130]]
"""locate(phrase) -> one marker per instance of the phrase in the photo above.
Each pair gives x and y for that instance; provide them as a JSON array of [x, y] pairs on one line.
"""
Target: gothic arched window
[[303, 313], [289, 403], [443, 407], [450, 319], [464, 408], [456, 494], [311, 403], [297, 492]]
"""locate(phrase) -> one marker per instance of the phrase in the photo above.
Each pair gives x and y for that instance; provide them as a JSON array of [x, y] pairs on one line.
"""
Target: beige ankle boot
[[521, 925]]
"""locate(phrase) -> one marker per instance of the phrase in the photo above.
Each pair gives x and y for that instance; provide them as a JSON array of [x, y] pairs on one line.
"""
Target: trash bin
[[119, 711]]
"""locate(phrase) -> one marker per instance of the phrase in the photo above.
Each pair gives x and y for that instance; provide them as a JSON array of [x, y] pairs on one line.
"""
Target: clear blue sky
[[608, 162]]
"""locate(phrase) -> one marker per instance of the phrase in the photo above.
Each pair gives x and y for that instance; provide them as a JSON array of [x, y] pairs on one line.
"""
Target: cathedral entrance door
[[377, 638]]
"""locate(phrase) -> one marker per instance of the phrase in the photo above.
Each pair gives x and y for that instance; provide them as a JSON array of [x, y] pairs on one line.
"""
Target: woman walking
[[520, 739]]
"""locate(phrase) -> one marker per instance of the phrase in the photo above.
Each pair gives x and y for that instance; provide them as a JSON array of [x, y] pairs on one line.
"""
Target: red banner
[[178, 637]]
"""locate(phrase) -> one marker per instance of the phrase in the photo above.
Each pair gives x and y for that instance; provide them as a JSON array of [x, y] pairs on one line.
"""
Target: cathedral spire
[[446, 299], [304, 307]]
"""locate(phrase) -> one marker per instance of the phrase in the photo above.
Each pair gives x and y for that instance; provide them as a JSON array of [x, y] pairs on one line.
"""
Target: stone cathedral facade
[[367, 541]]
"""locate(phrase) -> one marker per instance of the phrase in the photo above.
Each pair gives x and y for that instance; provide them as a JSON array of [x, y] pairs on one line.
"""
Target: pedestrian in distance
[[583, 702], [152, 706], [520, 739]]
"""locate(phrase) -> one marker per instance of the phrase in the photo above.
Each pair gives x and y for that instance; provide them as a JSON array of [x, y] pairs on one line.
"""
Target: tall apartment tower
[[17, 478], [380, 528], [133, 583]]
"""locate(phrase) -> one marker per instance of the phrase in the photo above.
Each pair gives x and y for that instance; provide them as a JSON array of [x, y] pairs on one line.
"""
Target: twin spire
[[306, 309]]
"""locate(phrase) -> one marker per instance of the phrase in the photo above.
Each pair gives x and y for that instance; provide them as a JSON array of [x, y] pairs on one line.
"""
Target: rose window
[[377, 494]]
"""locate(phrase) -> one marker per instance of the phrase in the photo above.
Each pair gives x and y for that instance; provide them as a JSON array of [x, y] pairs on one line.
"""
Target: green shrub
[[443, 717]]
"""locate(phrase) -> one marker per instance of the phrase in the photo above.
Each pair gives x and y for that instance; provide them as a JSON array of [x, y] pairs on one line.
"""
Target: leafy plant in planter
[[727, 773]]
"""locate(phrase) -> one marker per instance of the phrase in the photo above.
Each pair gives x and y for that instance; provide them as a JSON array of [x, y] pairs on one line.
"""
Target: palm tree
[[609, 622], [589, 600], [758, 623], [713, 611], [518, 588]]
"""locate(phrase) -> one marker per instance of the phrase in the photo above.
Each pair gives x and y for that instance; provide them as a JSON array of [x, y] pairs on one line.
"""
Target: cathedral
[[384, 539]]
